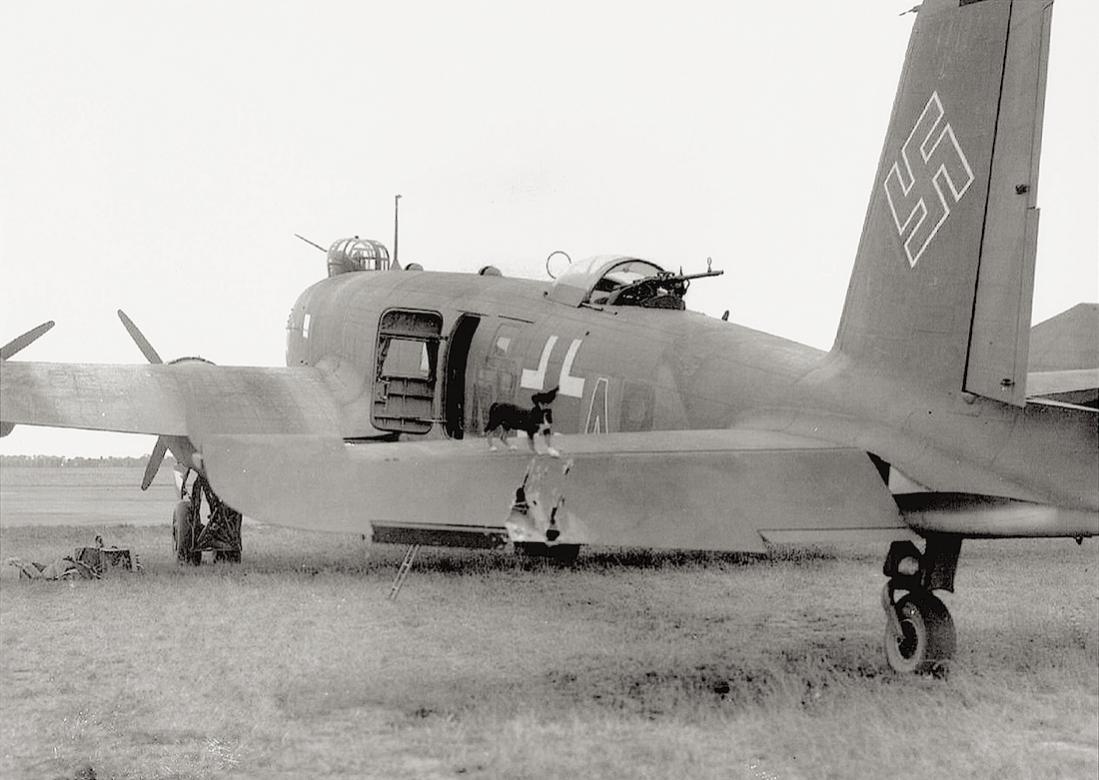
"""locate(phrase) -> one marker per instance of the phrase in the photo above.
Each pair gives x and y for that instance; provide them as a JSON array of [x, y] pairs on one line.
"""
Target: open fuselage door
[[405, 377]]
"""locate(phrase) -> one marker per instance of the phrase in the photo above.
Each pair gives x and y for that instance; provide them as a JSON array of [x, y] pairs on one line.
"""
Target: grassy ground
[[83, 496], [294, 664]]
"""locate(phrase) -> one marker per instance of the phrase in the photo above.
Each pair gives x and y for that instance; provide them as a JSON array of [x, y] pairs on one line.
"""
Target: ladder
[[402, 572]]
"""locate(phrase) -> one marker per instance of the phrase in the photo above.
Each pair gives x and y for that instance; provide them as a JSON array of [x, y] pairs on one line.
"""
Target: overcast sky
[[158, 157]]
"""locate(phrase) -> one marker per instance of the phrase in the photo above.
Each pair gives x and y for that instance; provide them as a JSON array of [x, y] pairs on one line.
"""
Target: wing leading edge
[[189, 399]]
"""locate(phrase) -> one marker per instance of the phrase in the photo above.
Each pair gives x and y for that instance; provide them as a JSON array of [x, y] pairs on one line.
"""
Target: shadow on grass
[[650, 687], [598, 559], [789, 677]]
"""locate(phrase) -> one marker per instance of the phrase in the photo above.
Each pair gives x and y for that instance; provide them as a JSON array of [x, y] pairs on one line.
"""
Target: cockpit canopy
[[616, 280]]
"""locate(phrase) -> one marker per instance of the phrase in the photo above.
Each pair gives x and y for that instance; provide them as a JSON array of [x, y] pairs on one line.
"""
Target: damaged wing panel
[[714, 490]]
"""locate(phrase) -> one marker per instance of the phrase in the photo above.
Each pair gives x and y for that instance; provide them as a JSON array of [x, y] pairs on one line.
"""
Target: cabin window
[[406, 358]]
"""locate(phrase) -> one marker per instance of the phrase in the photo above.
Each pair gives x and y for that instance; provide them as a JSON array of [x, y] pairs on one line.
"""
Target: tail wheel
[[183, 534], [927, 639]]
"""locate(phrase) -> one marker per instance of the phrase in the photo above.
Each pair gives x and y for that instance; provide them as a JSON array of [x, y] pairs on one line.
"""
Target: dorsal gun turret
[[357, 254]]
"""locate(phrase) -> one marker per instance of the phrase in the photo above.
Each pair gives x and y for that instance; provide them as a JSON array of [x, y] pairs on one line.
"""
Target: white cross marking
[[569, 384], [534, 380]]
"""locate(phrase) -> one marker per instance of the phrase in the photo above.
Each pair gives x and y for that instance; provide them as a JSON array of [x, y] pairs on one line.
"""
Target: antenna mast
[[396, 215]]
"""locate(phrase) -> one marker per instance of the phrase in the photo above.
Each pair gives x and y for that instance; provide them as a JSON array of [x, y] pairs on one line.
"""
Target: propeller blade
[[153, 466], [139, 338], [21, 342]]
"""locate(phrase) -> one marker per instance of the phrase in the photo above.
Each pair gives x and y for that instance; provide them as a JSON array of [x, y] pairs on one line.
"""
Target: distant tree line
[[64, 461]]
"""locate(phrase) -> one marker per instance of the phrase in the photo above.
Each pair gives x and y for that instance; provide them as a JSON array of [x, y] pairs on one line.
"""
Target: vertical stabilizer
[[941, 290]]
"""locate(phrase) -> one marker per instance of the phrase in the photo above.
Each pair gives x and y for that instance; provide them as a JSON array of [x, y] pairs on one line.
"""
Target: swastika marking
[[931, 175]]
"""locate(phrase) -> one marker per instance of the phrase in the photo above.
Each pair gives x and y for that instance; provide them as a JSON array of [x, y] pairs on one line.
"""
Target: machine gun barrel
[[688, 277]]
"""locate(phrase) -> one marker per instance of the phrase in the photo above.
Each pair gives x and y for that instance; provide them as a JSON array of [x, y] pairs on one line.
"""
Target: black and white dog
[[503, 418]]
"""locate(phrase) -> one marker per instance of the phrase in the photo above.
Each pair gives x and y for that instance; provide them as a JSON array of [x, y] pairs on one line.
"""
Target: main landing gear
[[220, 533], [919, 632]]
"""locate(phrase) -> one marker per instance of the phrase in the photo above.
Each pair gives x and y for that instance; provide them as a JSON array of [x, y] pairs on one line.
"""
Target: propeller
[[14, 346], [20, 343], [139, 338], [160, 449]]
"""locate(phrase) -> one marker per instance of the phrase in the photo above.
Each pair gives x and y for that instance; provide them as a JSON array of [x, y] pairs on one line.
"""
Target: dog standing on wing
[[503, 418]]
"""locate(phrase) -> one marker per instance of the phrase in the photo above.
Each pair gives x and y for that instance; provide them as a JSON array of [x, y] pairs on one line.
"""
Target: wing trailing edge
[[716, 490]]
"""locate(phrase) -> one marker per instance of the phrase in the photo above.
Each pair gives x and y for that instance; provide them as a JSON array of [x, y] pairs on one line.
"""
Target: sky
[[159, 157]]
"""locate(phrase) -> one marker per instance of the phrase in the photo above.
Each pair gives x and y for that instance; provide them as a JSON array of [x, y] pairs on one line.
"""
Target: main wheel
[[927, 638], [183, 535]]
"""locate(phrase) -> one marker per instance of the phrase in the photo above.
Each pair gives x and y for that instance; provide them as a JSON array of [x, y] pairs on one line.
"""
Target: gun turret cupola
[[357, 254]]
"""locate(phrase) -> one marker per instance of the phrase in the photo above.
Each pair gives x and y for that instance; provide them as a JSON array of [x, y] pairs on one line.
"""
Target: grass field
[[83, 496], [630, 664]]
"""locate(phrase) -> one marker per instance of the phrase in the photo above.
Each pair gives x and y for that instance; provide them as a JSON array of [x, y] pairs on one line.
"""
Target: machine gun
[[664, 290]]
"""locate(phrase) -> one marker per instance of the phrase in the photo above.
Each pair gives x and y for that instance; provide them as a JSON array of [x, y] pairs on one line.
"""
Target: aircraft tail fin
[[943, 279]]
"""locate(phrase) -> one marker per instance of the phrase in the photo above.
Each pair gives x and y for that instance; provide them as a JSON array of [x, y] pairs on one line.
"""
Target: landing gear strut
[[919, 632], [220, 533]]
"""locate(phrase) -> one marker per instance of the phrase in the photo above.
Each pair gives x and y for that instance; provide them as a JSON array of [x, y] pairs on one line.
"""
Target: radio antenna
[[396, 214], [311, 243]]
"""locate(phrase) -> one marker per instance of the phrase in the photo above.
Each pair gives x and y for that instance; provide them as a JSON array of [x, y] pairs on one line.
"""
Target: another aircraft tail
[[944, 274]]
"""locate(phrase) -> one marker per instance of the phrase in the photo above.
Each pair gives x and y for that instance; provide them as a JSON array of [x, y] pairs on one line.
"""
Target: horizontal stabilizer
[[1079, 387], [1067, 341]]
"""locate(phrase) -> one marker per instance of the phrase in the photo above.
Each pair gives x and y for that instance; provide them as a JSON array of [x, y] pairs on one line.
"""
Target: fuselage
[[424, 354]]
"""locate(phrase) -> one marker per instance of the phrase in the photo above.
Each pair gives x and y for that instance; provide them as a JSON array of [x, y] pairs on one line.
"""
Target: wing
[[718, 490], [270, 444], [191, 398]]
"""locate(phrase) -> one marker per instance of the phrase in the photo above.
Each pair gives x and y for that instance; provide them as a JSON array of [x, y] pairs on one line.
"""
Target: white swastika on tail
[[931, 175]]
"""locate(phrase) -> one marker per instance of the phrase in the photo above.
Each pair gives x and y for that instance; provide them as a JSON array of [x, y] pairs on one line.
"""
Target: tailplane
[[943, 278]]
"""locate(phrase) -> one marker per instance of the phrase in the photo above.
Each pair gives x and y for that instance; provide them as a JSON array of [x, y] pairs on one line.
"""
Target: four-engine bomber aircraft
[[679, 430]]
